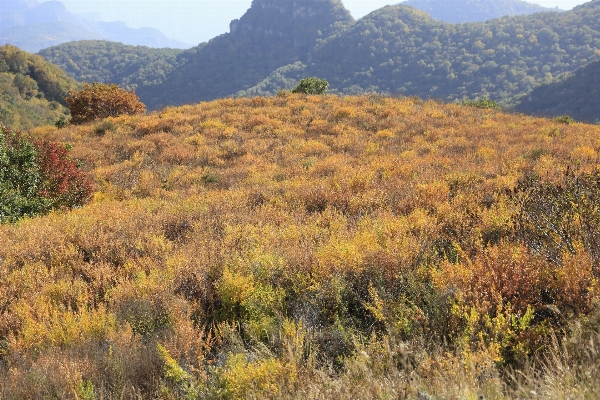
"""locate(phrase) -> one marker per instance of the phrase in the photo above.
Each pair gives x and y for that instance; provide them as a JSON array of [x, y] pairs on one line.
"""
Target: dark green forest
[[396, 50], [32, 91], [109, 62], [576, 95]]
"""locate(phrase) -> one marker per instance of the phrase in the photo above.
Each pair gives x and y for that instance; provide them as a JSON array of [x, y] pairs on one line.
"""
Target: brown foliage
[[99, 100]]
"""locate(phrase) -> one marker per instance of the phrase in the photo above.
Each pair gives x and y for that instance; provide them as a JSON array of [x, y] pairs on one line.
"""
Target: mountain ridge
[[32, 26], [462, 11]]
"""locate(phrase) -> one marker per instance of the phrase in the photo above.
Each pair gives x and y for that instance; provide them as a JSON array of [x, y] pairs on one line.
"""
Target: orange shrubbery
[[300, 246]]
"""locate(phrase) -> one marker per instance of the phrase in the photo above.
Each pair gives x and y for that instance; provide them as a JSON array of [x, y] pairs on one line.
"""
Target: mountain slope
[[33, 26], [270, 35], [403, 50], [32, 91], [576, 95], [110, 62], [461, 11]]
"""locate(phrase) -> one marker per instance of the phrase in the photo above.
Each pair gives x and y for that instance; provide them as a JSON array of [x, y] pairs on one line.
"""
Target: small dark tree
[[99, 100], [311, 86]]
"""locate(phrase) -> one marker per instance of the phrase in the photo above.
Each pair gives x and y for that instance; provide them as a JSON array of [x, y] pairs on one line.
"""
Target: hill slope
[[395, 50], [270, 35], [461, 11], [32, 91], [33, 26], [576, 95], [311, 247], [109, 62], [402, 50]]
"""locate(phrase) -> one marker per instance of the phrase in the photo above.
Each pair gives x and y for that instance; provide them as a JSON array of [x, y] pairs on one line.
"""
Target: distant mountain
[[33, 26], [393, 50], [271, 34], [32, 91], [461, 11], [109, 62], [576, 95]]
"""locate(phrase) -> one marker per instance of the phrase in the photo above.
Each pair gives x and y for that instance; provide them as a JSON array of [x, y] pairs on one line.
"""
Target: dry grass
[[302, 247]]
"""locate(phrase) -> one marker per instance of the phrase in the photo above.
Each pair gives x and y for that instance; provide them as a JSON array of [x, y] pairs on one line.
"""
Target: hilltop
[[32, 91], [576, 95], [102, 61], [311, 247], [461, 11], [32, 26]]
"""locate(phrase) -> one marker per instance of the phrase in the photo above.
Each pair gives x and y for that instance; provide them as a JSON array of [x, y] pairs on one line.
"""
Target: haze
[[196, 21]]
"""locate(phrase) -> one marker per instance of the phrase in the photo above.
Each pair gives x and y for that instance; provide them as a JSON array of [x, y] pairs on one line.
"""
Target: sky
[[197, 21]]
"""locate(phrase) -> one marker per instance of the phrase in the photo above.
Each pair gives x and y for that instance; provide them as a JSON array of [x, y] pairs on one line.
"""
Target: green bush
[[311, 86], [484, 103]]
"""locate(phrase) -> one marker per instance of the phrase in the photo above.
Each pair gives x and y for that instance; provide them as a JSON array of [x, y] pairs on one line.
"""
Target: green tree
[[311, 86]]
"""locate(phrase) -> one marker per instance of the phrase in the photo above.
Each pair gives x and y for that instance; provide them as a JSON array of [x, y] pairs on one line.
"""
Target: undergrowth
[[311, 247]]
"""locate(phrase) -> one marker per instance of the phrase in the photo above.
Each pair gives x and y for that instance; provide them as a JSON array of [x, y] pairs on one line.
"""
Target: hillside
[[394, 50], [109, 62], [461, 11], [32, 91], [311, 247], [270, 35], [402, 50], [32, 26], [576, 95]]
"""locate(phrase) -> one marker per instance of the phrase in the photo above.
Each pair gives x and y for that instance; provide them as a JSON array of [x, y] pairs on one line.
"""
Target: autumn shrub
[[37, 176], [99, 100]]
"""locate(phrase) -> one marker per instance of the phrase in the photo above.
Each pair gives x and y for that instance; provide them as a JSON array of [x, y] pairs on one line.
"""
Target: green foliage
[[37, 177], [311, 86], [32, 91], [109, 62], [400, 50], [484, 103], [575, 96], [270, 35]]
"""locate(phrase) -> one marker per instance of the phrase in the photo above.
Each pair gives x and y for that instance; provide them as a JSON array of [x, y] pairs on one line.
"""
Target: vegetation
[[270, 35], [311, 86], [101, 100], [575, 95], [402, 50], [36, 176], [312, 247], [461, 11], [32, 91], [394, 50], [108, 62]]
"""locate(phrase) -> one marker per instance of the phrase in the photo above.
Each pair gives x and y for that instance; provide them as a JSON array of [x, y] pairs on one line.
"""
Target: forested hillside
[[312, 247], [576, 95], [108, 62], [32, 91], [402, 50], [270, 35], [394, 50], [461, 11]]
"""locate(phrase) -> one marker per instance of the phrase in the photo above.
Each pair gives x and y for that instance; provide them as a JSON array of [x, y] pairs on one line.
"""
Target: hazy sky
[[196, 21]]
